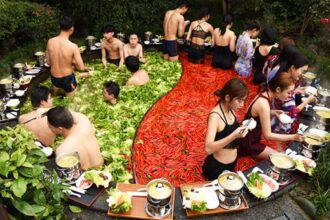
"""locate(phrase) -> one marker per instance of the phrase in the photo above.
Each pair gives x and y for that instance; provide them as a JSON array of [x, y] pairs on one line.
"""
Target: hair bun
[[218, 93]]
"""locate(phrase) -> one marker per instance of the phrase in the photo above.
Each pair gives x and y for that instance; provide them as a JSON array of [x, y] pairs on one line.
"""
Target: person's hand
[[311, 99], [276, 112], [241, 132], [301, 90], [298, 138]]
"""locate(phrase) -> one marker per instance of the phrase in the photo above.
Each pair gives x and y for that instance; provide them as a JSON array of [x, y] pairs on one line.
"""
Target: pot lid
[[90, 38], [39, 53], [230, 181], [19, 65], [159, 189]]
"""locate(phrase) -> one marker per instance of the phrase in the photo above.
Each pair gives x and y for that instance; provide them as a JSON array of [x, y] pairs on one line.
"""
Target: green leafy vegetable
[[255, 180], [119, 201], [75, 209], [199, 206], [99, 178]]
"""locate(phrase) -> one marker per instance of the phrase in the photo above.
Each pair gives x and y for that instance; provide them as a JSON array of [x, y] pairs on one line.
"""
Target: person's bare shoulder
[[23, 118], [119, 43]]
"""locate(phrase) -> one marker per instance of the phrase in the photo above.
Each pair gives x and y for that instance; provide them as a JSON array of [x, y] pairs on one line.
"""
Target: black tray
[[88, 198]]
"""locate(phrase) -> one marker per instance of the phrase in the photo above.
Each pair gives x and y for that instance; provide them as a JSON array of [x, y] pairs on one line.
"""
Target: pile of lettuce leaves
[[116, 125]]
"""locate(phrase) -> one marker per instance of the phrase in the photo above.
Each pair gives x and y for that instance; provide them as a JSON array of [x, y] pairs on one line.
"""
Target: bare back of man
[[38, 126], [173, 25], [61, 55], [82, 139], [139, 78]]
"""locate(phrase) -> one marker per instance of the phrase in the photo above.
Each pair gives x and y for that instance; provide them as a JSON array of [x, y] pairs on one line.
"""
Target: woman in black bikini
[[223, 43], [196, 35], [223, 130]]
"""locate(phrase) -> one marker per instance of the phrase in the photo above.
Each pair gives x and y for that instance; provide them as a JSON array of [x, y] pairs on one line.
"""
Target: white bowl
[[285, 119], [311, 90], [146, 42], [20, 93], [252, 124], [274, 185], [98, 44], [11, 115], [310, 162], [12, 103]]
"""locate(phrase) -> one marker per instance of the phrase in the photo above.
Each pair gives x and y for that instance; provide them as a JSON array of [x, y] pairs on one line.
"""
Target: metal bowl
[[68, 166], [158, 192]]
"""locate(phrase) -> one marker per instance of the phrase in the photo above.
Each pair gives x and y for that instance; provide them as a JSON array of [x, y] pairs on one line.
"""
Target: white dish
[[155, 40], [252, 124], [46, 65], [311, 90], [12, 103], [107, 174], [82, 183], [274, 186], [48, 151], [146, 42], [209, 195], [20, 93], [98, 44], [311, 163], [317, 132], [285, 119], [207, 44], [32, 71], [11, 115]]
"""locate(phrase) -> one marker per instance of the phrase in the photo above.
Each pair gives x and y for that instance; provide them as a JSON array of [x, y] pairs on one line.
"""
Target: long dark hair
[[227, 19], [235, 88]]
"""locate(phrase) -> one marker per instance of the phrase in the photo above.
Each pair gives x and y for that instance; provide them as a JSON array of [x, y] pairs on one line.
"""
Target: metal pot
[[230, 187], [324, 96], [322, 120], [19, 69], [40, 58], [6, 85], [281, 165], [311, 146], [159, 197], [68, 166], [308, 78], [121, 37], [148, 36], [90, 41]]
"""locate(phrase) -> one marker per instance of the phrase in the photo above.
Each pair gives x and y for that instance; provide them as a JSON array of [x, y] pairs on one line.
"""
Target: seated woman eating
[[280, 87], [223, 130], [196, 35]]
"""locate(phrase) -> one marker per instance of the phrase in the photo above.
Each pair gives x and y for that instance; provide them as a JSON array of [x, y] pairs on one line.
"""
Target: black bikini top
[[228, 129], [198, 31]]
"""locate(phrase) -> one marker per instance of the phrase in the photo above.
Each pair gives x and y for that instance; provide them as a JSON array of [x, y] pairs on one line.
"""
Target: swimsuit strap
[[223, 114], [219, 116]]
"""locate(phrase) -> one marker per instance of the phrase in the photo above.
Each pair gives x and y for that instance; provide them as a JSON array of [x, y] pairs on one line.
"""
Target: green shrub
[[27, 22]]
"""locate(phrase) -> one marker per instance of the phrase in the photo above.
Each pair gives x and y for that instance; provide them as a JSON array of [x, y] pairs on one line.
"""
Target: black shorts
[[170, 47], [196, 53], [114, 61], [213, 168], [67, 83]]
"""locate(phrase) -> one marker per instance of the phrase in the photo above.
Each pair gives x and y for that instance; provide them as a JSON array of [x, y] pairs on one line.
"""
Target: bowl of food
[[24, 81], [285, 119], [83, 183], [19, 93], [99, 178], [98, 44], [258, 187], [304, 164], [200, 199]]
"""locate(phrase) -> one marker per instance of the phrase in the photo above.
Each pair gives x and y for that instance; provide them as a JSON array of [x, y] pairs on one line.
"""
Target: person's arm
[[309, 100], [141, 57], [125, 51], [232, 43], [212, 146], [263, 110], [79, 64], [181, 26], [47, 54], [121, 55], [104, 56], [213, 37], [189, 32]]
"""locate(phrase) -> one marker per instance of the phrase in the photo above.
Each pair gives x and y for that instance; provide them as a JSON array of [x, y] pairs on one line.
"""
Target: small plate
[[274, 186], [311, 163], [20, 93], [11, 115], [285, 119], [32, 71], [210, 198], [98, 44], [83, 183], [12, 103], [252, 124], [146, 42]]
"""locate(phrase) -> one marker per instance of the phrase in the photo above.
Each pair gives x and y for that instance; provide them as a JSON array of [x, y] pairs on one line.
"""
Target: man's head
[[66, 24], [183, 6], [132, 63], [111, 92], [133, 39], [40, 97], [108, 32], [59, 119]]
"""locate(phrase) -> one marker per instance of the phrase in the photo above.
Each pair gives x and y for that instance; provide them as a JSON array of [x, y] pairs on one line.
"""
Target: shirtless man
[[79, 136], [133, 48], [111, 92], [174, 25], [113, 46], [139, 77], [41, 102], [61, 54]]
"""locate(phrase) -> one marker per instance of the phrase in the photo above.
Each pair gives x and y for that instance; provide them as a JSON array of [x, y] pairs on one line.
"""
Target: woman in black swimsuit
[[223, 130], [196, 35], [223, 43]]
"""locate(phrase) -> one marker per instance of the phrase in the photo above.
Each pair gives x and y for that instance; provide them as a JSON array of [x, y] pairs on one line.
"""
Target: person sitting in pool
[[133, 48], [197, 34], [41, 102], [223, 130], [61, 55], [139, 77], [79, 136], [112, 46], [280, 87], [111, 92]]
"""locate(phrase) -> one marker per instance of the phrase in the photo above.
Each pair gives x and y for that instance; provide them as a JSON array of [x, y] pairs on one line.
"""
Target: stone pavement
[[282, 208]]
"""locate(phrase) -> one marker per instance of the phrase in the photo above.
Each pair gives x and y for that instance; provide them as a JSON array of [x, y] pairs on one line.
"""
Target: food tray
[[138, 204], [218, 210], [89, 197]]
